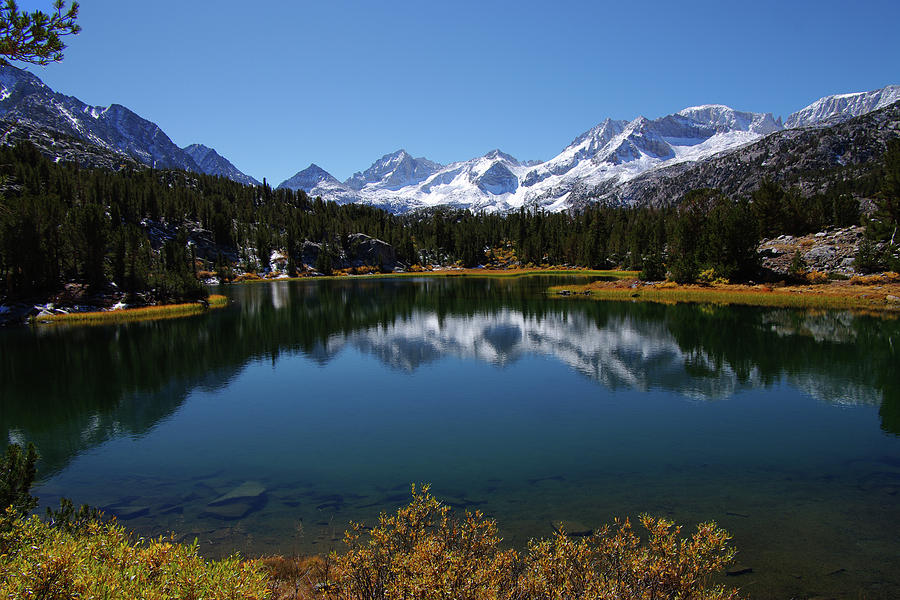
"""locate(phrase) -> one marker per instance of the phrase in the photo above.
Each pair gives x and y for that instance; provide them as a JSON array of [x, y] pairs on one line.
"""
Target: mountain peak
[[310, 178], [497, 154], [840, 107], [393, 171]]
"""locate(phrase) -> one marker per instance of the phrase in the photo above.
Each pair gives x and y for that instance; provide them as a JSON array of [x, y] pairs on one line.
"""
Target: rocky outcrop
[[831, 251]]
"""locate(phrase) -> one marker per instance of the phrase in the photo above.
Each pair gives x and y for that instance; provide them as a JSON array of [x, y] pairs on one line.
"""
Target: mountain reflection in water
[[71, 389]]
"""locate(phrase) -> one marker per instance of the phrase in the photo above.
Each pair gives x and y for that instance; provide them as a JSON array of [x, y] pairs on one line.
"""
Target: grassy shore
[[832, 295], [127, 315]]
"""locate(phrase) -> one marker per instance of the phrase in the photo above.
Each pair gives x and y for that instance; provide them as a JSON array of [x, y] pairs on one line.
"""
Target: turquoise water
[[327, 399]]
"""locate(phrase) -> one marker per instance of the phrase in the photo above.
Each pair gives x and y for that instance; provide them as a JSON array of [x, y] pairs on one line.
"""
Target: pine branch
[[35, 37]]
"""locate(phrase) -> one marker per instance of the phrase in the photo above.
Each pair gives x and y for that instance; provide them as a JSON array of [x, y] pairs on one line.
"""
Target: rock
[[247, 491], [891, 299], [818, 255]]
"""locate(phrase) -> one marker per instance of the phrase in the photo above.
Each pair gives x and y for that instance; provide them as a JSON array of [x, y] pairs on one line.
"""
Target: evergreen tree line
[[61, 223]]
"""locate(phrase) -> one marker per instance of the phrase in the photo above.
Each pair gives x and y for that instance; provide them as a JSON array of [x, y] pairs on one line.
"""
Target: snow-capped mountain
[[26, 100], [606, 157], [835, 109], [613, 150], [213, 163], [394, 171]]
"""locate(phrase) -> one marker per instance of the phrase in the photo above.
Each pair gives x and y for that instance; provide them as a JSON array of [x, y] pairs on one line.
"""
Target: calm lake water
[[320, 402]]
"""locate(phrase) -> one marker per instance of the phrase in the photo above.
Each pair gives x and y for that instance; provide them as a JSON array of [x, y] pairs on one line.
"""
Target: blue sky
[[274, 86]]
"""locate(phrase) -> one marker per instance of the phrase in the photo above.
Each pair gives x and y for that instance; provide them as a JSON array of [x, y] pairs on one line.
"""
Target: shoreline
[[495, 273], [615, 286], [883, 299]]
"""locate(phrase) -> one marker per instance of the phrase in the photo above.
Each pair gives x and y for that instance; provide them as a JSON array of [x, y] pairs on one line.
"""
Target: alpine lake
[[267, 426]]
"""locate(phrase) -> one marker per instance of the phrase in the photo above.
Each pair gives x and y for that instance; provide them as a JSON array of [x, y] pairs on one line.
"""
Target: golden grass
[[146, 313], [835, 295]]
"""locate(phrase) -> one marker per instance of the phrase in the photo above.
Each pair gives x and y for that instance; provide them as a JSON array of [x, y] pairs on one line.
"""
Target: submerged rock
[[246, 498], [247, 491]]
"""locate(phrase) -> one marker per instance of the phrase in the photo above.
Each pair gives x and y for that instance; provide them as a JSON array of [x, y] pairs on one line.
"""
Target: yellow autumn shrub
[[423, 553], [615, 563], [101, 560]]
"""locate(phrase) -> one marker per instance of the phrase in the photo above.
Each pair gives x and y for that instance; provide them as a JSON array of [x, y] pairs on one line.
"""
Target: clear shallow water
[[332, 397]]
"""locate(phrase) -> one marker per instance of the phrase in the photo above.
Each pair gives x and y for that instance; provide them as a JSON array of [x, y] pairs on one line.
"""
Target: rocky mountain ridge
[[28, 106]]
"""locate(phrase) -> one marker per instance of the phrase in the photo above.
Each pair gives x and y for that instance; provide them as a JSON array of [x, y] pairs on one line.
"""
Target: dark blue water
[[327, 399]]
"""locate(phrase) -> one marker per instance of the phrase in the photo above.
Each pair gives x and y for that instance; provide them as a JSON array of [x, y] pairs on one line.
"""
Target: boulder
[[818, 256]]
